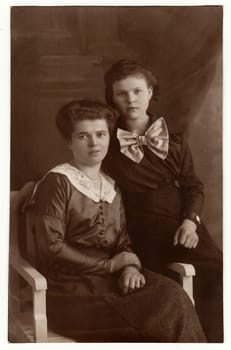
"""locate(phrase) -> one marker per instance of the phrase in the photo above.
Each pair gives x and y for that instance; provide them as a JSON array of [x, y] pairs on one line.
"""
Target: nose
[[131, 97], [92, 141]]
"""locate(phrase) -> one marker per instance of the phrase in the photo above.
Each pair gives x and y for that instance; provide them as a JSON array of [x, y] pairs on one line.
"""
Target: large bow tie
[[156, 138]]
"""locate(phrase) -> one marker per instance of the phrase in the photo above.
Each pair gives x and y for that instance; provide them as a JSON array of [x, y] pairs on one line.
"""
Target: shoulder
[[176, 137], [179, 142], [54, 180], [51, 195], [52, 184]]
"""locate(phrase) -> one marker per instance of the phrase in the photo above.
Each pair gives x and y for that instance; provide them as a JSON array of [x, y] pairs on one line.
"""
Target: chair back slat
[[14, 220], [31, 247], [18, 200]]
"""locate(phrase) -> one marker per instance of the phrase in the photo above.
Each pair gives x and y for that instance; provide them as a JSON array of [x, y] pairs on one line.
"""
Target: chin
[[96, 160], [132, 116]]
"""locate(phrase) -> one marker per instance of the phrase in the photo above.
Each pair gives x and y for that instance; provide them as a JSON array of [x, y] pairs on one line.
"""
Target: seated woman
[[95, 281]]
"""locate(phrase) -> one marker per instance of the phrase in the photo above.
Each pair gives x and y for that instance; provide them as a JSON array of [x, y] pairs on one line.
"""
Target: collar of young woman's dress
[[85, 185], [152, 119]]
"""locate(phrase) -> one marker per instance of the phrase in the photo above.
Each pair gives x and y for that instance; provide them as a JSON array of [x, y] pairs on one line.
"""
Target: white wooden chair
[[27, 286]]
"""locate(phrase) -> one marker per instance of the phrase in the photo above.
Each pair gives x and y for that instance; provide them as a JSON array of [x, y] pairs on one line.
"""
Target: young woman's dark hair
[[124, 68], [78, 110]]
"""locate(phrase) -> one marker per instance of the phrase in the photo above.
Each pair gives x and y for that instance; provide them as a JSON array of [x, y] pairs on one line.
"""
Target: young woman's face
[[89, 142], [131, 96]]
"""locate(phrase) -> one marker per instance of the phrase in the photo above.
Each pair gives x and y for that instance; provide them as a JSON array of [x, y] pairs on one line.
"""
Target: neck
[[138, 125], [93, 172]]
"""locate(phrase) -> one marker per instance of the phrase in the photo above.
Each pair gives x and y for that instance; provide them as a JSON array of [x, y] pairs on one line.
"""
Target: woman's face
[[131, 96], [89, 142]]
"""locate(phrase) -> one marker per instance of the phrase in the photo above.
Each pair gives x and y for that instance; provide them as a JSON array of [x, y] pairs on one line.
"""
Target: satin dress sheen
[[76, 236]]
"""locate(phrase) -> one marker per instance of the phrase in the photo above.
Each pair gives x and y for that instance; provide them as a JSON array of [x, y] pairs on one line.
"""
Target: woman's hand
[[130, 280], [122, 260], [186, 235]]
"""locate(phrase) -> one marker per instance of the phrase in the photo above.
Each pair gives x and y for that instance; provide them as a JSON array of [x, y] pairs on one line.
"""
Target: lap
[[105, 308]]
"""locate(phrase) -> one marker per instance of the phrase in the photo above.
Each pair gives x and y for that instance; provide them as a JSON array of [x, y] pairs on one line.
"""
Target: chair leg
[[14, 299], [39, 316], [14, 307]]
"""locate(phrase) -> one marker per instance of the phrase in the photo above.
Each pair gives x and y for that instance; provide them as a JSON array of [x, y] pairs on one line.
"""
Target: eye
[[101, 133], [82, 137], [137, 91], [121, 93]]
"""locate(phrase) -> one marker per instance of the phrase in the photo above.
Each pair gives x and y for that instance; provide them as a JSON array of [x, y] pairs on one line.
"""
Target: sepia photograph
[[116, 174]]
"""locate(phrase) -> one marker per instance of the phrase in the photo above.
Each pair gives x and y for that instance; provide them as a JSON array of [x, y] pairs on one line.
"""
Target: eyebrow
[[87, 133], [136, 87]]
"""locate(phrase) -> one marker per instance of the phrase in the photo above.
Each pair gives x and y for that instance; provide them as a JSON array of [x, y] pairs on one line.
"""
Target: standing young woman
[[162, 194], [97, 289]]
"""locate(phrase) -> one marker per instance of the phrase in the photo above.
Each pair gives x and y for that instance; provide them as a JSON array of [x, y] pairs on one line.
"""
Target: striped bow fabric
[[156, 138]]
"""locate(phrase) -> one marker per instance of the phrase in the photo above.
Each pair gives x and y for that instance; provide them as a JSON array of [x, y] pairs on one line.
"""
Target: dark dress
[[76, 236], [158, 194]]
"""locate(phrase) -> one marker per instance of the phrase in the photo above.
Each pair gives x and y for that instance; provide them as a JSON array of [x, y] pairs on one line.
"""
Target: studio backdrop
[[61, 53]]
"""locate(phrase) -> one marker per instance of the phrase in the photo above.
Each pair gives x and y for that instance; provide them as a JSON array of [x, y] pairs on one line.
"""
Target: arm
[[193, 196], [123, 243], [51, 203], [53, 248], [130, 277], [191, 187]]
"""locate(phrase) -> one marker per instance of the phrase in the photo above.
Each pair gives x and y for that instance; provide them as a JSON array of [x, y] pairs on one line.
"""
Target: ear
[[150, 92], [69, 145]]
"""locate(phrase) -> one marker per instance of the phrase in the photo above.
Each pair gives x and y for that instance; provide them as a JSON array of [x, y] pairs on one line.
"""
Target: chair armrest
[[38, 284], [34, 278], [184, 270]]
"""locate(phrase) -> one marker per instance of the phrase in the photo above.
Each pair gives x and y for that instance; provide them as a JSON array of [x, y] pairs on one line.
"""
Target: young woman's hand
[[130, 280], [186, 235], [122, 260]]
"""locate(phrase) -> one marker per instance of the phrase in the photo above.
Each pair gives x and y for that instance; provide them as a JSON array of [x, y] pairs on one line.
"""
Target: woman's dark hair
[[124, 68], [75, 111]]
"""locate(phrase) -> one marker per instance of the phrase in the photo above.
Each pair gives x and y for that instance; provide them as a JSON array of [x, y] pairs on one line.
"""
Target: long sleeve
[[50, 227], [191, 187], [123, 243]]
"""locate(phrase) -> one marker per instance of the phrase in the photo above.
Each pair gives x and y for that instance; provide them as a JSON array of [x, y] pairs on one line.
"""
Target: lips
[[94, 152], [132, 108]]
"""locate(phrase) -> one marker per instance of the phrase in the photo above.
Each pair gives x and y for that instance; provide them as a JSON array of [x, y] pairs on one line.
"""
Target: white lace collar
[[85, 185]]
